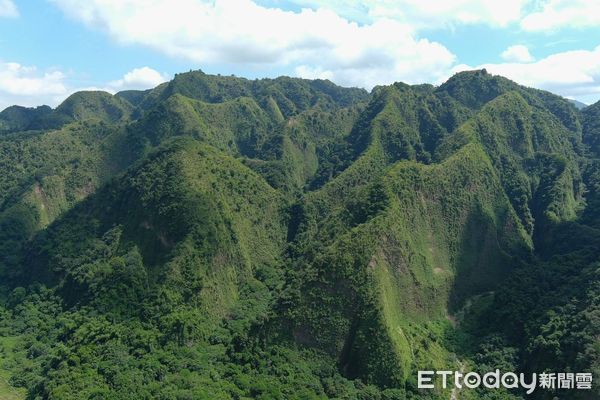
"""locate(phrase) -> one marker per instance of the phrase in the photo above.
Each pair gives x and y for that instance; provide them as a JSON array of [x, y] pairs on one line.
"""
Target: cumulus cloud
[[351, 42], [573, 74], [139, 78], [517, 53], [426, 13], [25, 85], [556, 14], [371, 55], [8, 9], [532, 15], [310, 42]]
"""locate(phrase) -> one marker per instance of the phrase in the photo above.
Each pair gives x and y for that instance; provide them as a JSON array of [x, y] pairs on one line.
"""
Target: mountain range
[[223, 238]]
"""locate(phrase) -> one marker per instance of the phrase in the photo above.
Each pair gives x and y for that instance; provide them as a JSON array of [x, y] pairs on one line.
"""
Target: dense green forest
[[223, 238]]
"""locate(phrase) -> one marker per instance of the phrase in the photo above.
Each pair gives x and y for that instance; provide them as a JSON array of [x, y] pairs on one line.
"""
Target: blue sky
[[51, 48]]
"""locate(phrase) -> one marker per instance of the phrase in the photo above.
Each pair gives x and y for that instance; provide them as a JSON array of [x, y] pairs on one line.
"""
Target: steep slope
[[422, 239], [399, 123], [591, 127], [248, 118], [223, 238], [186, 201], [47, 173], [511, 147], [238, 126], [185, 240], [533, 153], [474, 89]]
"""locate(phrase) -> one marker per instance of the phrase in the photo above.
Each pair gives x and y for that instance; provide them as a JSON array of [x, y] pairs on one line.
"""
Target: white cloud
[[517, 53], [574, 74], [8, 9], [426, 13], [139, 78], [241, 32], [556, 14], [324, 42], [532, 15], [27, 86], [393, 58]]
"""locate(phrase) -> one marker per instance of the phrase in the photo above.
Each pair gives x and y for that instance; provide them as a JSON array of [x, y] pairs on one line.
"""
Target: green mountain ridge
[[224, 238]]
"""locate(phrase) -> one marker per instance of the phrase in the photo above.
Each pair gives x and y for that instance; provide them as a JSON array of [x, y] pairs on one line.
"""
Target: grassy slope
[[7, 391], [396, 271]]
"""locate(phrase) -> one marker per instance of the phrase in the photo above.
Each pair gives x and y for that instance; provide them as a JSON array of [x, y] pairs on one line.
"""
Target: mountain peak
[[477, 87]]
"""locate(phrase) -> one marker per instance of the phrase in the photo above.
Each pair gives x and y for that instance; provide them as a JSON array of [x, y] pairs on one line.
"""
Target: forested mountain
[[223, 238]]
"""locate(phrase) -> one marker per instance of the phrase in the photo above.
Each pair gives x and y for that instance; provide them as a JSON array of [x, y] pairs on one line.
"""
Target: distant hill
[[578, 104], [17, 118]]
